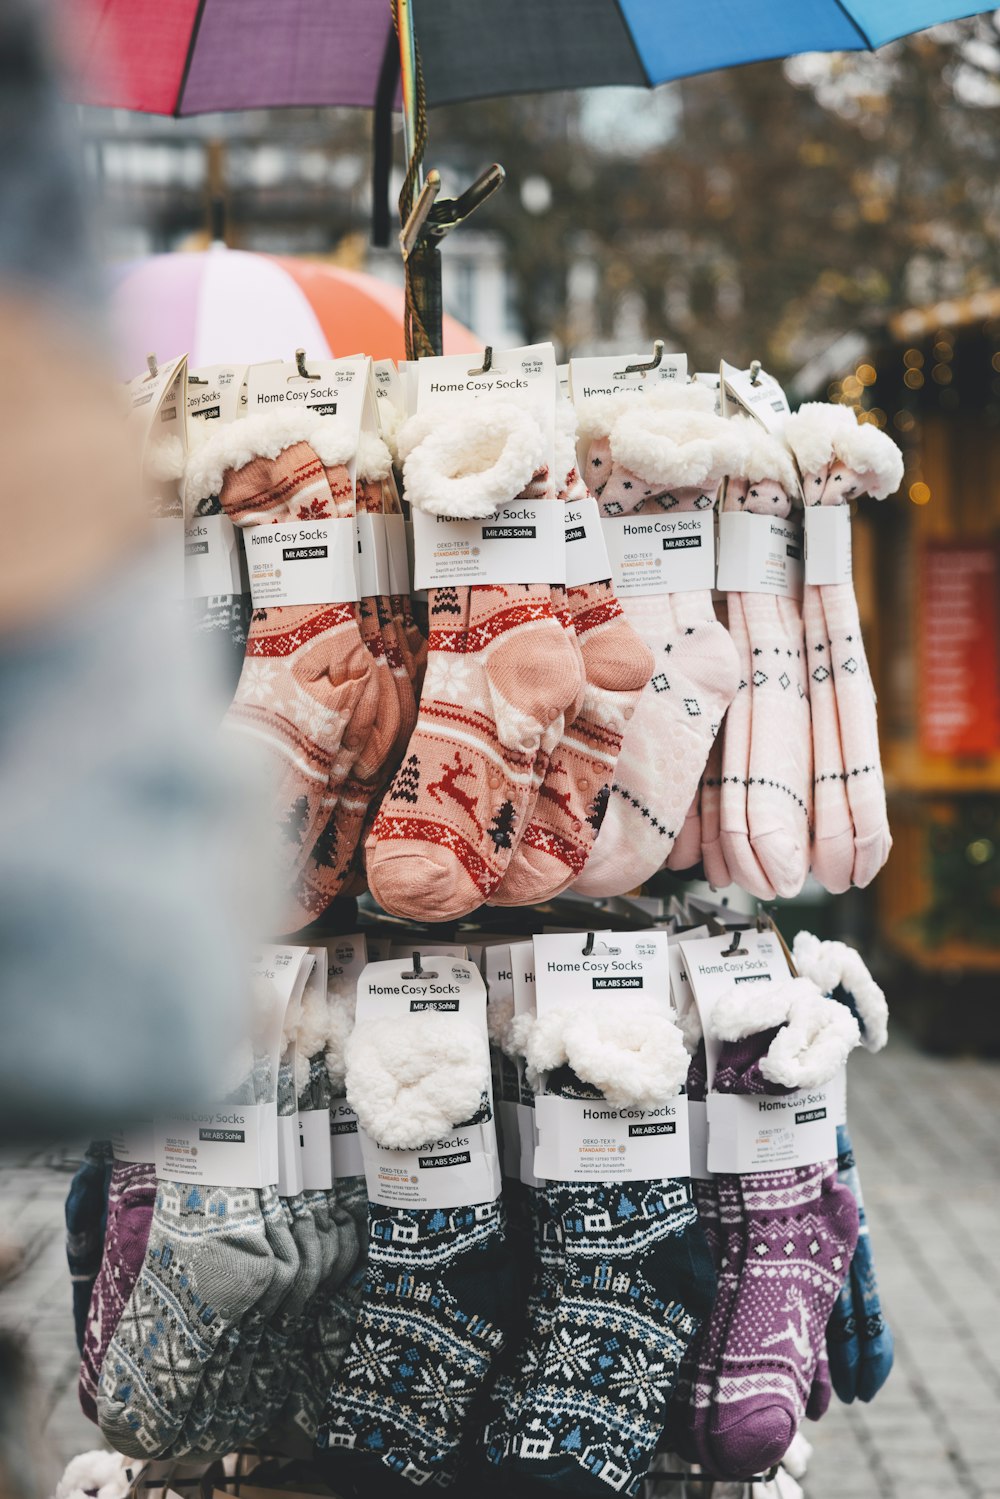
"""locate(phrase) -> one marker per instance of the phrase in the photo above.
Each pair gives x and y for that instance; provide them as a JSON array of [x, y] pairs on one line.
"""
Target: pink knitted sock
[[668, 738], [712, 858], [840, 459], [741, 863], [567, 817], [308, 692], [779, 791], [673, 460], [832, 856], [779, 754], [686, 851]]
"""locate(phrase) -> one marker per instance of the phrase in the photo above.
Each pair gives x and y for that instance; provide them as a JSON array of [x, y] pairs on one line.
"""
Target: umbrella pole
[[425, 221]]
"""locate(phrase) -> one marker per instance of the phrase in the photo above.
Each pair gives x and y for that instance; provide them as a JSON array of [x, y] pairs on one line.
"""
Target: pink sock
[[741, 863], [779, 796], [779, 754], [686, 852], [667, 740], [832, 856], [712, 858], [841, 459], [309, 691], [664, 459]]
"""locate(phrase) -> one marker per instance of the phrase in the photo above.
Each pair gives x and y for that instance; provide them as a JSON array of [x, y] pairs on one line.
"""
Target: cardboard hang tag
[[213, 394], [303, 562], [525, 376], [236, 1144], [753, 1132], [155, 403], [390, 397], [134, 1143], [760, 554], [655, 554], [715, 965], [756, 393], [462, 1166], [619, 965], [523, 542], [344, 1142], [607, 375], [828, 555], [522, 974], [586, 556], [336, 389], [590, 1140], [764, 1132]]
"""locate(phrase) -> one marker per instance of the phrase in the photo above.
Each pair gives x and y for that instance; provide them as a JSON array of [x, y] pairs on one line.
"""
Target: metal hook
[[152, 366], [734, 950], [300, 365], [755, 372], [643, 368], [410, 232], [588, 946], [417, 971], [487, 362]]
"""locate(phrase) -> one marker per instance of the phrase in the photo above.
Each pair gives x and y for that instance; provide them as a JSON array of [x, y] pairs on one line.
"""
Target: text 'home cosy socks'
[[590, 1303], [562, 1331], [550, 736]]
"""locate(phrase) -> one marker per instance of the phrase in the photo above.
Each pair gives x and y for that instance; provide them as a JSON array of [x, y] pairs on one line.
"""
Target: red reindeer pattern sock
[[444, 833], [306, 690]]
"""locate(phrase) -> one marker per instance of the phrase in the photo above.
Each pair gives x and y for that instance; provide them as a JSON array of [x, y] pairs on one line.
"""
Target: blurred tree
[[775, 206]]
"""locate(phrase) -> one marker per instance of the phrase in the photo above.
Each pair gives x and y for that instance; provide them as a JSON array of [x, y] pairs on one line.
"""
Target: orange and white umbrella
[[229, 306]]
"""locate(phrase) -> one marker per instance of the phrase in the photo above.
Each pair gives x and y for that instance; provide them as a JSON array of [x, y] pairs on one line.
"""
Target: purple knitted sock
[[678, 1436], [800, 1229], [738, 1071], [131, 1195], [822, 1390]]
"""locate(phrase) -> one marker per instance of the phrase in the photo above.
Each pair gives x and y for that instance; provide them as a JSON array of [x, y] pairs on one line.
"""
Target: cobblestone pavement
[[928, 1150]]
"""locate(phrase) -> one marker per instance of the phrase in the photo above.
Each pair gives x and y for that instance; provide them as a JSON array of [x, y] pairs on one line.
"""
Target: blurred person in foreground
[[125, 921]]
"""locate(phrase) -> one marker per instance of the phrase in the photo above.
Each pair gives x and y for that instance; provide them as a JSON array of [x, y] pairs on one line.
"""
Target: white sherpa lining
[[374, 459], [499, 1024], [813, 1046], [748, 1009], [165, 458], [340, 1024], [390, 419], [677, 448], [821, 433], [264, 435], [689, 1025], [635, 1055], [830, 964], [464, 462], [411, 1081], [565, 455], [596, 415], [310, 1034], [99, 1473], [765, 457]]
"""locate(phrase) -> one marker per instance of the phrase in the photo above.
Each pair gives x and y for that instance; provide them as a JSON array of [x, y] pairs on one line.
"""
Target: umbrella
[[193, 56], [222, 306]]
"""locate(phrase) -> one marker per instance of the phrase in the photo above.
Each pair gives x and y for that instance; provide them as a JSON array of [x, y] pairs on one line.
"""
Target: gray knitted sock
[[283, 1337], [254, 1364], [207, 1264]]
